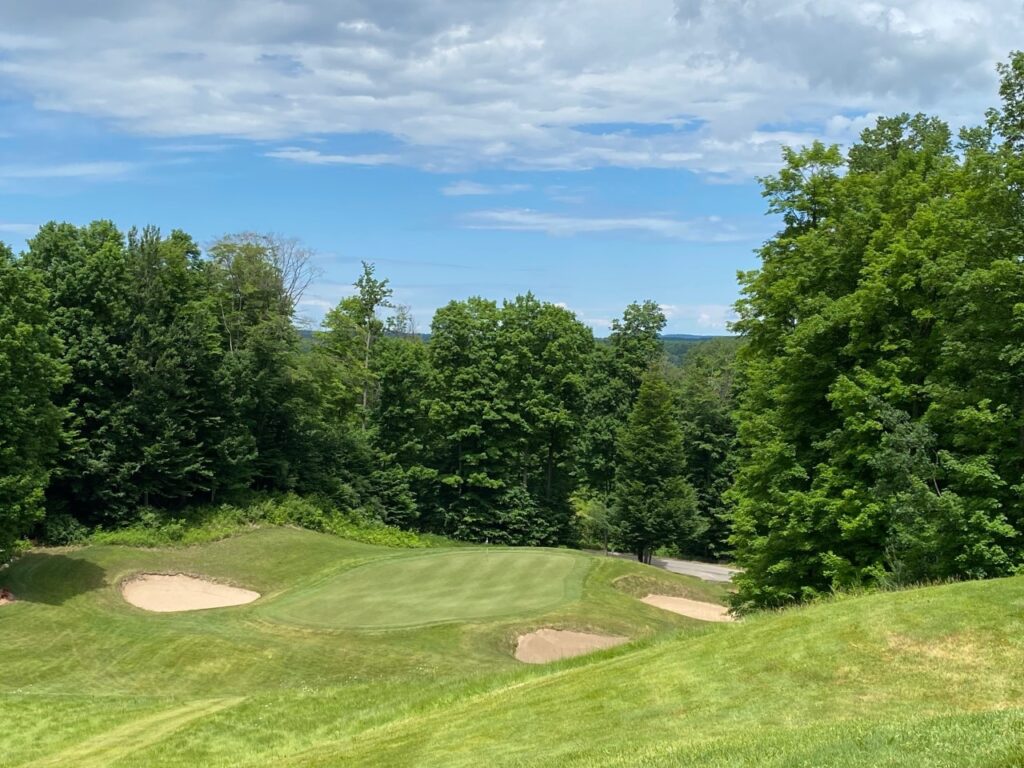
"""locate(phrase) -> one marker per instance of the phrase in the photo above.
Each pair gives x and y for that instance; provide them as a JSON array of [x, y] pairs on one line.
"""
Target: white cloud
[[93, 170], [711, 229], [463, 84], [314, 157], [13, 228], [192, 148], [709, 317], [464, 188]]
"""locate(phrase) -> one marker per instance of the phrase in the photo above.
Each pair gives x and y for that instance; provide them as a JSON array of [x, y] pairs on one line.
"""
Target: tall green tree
[[357, 322], [706, 388], [655, 505], [31, 374], [182, 418], [613, 379], [88, 275], [257, 281], [506, 408], [880, 431]]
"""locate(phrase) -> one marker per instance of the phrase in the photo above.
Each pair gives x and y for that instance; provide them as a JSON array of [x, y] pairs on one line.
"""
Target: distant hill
[[676, 344]]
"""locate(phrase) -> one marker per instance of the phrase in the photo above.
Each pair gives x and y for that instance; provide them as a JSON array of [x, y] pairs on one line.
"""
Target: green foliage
[[706, 388], [505, 406], [196, 525], [189, 384], [654, 502], [612, 385], [881, 426], [30, 375], [593, 520]]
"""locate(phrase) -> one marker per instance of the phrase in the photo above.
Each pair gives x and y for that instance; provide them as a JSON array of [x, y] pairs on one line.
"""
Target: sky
[[595, 152]]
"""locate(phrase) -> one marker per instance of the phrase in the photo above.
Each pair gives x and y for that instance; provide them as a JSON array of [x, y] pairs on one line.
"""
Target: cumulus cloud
[[465, 188], [709, 317], [313, 157], [708, 230], [465, 84]]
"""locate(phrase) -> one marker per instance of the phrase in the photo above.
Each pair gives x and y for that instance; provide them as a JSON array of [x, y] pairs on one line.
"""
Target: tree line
[[143, 373]]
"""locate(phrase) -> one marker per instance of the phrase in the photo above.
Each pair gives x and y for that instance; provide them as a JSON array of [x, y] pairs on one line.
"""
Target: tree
[[655, 505], [543, 349], [254, 291], [31, 374], [706, 388], [371, 296], [506, 405], [881, 432], [87, 272], [181, 418], [403, 432], [612, 383]]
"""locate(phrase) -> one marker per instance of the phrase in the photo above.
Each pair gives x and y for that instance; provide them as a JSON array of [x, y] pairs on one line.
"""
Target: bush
[[196, 525], [63, 530]]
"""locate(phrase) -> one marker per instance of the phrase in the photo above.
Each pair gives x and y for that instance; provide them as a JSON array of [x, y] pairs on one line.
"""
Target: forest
[[865, 427]]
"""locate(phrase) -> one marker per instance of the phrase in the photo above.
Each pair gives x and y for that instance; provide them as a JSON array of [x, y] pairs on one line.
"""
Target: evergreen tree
[[655, 505]]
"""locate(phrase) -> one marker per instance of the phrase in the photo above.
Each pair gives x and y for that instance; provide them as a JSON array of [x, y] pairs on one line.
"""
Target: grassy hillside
[[425, 675]]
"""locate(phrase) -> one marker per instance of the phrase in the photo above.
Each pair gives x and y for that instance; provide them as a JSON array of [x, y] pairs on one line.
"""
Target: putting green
[[435, 588]]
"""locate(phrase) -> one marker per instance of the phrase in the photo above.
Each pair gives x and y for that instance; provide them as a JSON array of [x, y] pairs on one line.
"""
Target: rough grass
[[927, 677]]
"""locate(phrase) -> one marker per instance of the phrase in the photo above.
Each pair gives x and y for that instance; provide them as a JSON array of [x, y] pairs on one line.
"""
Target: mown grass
[[927, 677], [445, 586]]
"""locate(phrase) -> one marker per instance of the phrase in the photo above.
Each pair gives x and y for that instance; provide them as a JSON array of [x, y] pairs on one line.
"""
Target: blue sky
[[591, 152]]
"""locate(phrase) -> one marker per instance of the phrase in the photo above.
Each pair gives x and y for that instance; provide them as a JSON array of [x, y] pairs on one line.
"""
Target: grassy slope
[[80, 666], [929, 677]]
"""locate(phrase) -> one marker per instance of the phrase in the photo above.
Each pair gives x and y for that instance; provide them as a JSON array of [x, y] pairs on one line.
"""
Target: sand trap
[[164, 593], [692, 608], [6, 598], [546, 645]]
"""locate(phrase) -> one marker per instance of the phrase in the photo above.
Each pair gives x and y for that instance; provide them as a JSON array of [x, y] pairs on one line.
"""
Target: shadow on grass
[[51, 578]]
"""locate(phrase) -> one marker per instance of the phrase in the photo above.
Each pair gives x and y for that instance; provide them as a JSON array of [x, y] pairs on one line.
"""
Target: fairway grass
[[436, 587], [927, 677]]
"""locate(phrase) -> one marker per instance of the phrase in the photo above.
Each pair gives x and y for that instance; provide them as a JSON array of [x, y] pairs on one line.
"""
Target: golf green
[[436, 588]]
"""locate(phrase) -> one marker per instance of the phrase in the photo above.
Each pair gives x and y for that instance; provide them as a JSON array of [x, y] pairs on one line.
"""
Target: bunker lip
[[694, 609], [545, 645], [172, 593]]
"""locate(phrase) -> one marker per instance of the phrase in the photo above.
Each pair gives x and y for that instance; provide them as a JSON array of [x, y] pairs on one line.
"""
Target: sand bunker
[[6, 598], [546, 645], [692, 608], [164, 593]]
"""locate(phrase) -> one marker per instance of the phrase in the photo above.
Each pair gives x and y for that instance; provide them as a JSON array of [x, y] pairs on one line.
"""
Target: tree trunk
[[366, 378]]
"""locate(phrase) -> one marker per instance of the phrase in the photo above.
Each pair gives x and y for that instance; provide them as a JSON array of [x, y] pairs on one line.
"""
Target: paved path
[[706, 571]]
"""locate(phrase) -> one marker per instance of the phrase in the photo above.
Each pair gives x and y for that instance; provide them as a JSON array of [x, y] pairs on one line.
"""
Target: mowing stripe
[[119, 742]]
